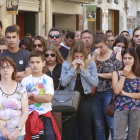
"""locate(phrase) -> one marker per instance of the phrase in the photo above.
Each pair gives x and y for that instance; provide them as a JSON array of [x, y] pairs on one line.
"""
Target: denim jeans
[[99, 101], [18, 138], [121, 119]]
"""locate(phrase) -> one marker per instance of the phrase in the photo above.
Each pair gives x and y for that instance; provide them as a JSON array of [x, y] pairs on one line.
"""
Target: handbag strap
[[67, 117]]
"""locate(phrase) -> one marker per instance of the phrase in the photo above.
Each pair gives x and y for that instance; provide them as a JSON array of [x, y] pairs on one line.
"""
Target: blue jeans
[[18, 138], [99, 101]]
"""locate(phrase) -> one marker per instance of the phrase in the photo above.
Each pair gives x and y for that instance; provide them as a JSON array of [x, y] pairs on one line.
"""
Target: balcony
[[29, 5], [79, 1]]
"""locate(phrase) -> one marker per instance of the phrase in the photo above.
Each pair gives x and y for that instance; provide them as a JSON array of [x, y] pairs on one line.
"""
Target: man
[[54, 37], [109, 33], [87, 38], [0, 29], [19, 56], [110, 40], [136, 36], [68, 40], [125, 34]]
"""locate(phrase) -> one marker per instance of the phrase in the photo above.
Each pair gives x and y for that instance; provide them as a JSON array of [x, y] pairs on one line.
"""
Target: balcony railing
[[79, 1]]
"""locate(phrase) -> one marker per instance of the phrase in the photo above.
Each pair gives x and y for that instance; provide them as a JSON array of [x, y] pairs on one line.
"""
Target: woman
[[39, 43], [127, 103], [13, 102], [79, 74], [54, 63], [107, 61], [120, 42], [26, 43]]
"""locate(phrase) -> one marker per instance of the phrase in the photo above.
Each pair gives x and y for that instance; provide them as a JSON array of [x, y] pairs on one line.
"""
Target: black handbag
[[65, 100]]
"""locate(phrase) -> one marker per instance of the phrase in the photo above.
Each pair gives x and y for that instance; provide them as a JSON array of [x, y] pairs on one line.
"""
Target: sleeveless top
[[107, 66], [127, 103]]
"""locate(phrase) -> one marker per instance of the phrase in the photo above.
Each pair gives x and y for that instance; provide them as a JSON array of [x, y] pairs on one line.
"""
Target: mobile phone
[[137, 19], [118, 48]]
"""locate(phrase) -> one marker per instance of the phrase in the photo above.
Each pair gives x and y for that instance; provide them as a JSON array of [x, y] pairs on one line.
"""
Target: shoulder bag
[[65, 100]]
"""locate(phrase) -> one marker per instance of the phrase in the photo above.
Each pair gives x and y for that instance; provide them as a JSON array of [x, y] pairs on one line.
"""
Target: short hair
[[37, 53], [12, 63], [99, 38], [124, 31], [111, 36], [99, 32], [136, 29], [11, 29], [27, 41], [109, 31], [3, 42], [54, 29], [1, 24], [70, 34], [28, 34], [18, 28], [86, 31]]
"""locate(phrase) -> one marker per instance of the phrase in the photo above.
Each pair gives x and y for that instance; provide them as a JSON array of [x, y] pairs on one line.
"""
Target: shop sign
[[12, 7], [91, 12]]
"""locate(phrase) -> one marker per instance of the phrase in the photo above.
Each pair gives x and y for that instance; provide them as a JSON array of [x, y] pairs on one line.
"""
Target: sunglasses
[[39, 45], [52, 36], [52, 55], [110, 40]]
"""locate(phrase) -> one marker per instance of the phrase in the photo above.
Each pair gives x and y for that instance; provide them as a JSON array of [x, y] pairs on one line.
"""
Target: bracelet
[[2, 128], [123, 75]]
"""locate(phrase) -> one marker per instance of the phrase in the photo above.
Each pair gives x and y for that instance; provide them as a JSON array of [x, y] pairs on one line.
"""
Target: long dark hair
[[135, 67]]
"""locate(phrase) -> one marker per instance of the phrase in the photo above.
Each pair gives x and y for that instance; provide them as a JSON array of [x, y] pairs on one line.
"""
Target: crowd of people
[[96, 65]]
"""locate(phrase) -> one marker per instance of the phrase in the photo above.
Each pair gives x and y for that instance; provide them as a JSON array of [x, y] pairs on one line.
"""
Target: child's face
[[3, 48], [36, 64]]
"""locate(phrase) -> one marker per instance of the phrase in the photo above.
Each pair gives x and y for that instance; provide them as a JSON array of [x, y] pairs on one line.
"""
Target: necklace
[[37, 81]]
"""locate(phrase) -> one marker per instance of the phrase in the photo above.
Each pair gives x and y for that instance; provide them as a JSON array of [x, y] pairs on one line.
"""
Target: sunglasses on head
[[52, 55], [39, 45], [52, 36]]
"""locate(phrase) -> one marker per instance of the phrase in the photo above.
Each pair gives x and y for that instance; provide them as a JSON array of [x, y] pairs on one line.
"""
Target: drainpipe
[[47, 16]]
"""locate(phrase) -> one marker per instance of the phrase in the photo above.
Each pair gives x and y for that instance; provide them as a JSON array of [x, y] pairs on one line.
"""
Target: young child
[[40, 124]]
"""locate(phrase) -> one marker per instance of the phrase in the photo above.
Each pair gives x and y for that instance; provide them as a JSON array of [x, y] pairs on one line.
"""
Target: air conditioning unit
[[1, 3]]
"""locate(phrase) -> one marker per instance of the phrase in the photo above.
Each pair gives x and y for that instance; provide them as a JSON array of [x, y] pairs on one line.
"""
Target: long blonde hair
[[78, 46], [54, 49]]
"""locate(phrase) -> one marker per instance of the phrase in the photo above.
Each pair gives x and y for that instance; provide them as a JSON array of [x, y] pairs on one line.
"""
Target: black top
[[21, 58], [55, 75], [79, 87], [64, 52]]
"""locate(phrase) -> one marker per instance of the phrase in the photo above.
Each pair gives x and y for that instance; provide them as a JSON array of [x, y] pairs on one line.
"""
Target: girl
[[127, 104], [107, 61], [79, 74]]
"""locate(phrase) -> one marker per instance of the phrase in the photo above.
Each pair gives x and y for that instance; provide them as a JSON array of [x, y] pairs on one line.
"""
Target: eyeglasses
[[39, 45], [2, 50], [52, 36], [110, 40], [7, 67], [52, 55]]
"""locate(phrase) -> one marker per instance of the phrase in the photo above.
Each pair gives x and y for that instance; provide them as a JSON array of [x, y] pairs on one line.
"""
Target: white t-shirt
[[39, 86], [62, 44]]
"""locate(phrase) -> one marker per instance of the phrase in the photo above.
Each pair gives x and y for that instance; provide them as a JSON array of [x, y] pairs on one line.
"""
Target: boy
[[40, 92]]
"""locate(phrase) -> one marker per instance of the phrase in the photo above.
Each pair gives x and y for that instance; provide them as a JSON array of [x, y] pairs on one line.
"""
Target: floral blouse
[[107, 66], [11, 109], [127, 103]]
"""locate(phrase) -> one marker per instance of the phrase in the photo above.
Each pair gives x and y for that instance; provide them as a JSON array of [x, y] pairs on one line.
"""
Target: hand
[[133, 20], [126, 70], [5, 133], [82, 65], [123, 93], [29, 94], [96, 52], [75, 64], [117, 50], [14, 134]]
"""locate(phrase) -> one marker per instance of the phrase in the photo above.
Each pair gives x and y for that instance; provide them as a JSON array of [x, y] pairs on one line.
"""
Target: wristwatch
[[19, 128], [31, 96]]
